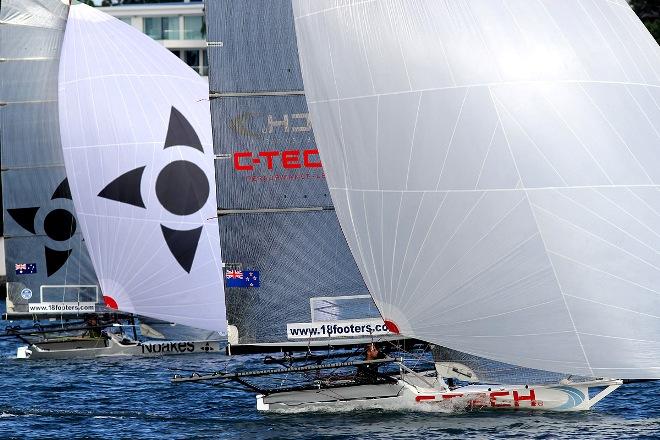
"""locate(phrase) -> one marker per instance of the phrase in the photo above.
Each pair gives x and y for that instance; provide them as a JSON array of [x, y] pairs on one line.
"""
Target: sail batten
[[493, 167]]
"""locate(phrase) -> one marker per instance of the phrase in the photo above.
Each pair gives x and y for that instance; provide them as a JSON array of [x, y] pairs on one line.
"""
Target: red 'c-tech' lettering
[[308, 162], [237, 161], [493, 400], [269, 157], [517, 398], [291, 159]]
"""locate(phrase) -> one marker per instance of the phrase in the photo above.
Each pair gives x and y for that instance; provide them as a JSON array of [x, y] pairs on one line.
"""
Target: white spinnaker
[[495, 168], [136, 133]]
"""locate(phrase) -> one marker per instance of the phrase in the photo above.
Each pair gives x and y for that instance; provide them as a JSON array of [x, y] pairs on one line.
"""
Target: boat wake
[[5, 415], [453, 406]]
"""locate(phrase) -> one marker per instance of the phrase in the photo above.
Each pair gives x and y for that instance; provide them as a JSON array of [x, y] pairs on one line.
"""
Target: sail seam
[[483, 163], [492, 294], [371, 248], [124, 75], [604, 40], [361, 265], [598, 237], [516, 335], [449, 240], [451, 139], [615, 131], [335, 8], [635, 41], [578, 138], [458, 191], [489, 85], [620, 208], [480, 318], [474, 246], [567, 41], [644, 202], [616, 3], [624, 339], [412, 146], [545, 246], [421, 246], [613, 306]]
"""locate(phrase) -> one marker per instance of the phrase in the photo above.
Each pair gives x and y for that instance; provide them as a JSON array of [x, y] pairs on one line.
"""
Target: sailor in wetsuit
[[93, 331], [369, 373]]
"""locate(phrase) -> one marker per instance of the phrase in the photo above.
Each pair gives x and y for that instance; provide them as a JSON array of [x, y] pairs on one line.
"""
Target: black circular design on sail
[[182, 187], [60, 224]]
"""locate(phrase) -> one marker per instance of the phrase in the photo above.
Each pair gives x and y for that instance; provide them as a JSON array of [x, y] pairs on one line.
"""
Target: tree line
[[649, 12]]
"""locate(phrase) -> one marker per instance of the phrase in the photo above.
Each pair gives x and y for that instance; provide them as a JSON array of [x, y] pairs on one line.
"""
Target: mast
[[45, 258], [494, 166], [275, 212]]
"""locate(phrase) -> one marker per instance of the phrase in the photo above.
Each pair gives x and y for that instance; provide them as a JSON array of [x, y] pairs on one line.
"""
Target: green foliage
[[644, 7], [649, 12], [654, 27]]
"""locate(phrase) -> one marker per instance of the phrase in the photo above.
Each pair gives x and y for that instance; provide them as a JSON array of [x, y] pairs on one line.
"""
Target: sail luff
[[530, 129]]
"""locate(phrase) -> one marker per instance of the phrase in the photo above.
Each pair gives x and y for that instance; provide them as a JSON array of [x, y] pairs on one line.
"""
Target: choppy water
[[132, 398]]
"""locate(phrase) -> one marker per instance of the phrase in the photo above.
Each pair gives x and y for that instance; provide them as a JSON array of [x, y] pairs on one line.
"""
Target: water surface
[[133, 398]]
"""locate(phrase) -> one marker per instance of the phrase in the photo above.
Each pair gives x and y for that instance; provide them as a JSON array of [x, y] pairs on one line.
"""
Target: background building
[[177, 25]]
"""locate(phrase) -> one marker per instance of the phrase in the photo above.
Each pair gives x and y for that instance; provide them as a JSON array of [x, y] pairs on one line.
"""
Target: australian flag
[[25, 268], [244, 278]]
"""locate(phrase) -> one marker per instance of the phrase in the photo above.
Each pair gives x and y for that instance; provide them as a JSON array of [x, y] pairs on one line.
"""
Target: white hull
[[113, 346], [413, 391]]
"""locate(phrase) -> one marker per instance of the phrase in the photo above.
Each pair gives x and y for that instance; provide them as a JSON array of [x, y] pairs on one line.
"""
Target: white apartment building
[[177, 25]]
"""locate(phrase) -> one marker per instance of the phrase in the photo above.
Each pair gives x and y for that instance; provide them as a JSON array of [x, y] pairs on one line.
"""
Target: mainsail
[[47, 263], [136, 135], [277, 221], [494, 166]]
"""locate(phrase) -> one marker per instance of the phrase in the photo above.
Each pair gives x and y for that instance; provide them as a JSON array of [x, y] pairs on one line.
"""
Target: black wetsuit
[[369, 373]]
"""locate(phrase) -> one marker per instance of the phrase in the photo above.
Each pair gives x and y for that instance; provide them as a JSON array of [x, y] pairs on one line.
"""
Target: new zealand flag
[[245, 278]]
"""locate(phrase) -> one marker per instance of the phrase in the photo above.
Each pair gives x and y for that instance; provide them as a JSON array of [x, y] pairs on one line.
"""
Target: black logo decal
[[59, 225], [180, 132], [125, 188], [207, 348], [182, 178], [181, 188], [182, 244]]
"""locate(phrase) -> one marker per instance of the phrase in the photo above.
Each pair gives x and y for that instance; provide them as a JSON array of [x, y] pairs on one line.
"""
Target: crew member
[[94, 331], [368, 373]]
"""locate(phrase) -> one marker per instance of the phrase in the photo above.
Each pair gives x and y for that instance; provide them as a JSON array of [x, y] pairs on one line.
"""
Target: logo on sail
[[58, 224], [182, 188], [252, 125]]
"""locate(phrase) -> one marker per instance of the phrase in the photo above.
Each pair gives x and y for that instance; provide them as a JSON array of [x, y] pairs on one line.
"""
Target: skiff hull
[[408, 393], [94, 348]]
